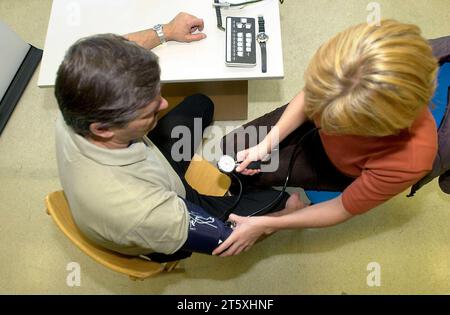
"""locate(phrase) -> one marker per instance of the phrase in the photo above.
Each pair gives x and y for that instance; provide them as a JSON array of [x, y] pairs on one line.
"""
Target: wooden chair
[[136, 268]]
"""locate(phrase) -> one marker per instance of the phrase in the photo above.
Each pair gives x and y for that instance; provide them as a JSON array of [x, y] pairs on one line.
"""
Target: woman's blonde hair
[[370, 80]]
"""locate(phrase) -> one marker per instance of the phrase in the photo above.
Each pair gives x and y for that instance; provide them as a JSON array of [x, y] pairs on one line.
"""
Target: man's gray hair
[[105, 79]]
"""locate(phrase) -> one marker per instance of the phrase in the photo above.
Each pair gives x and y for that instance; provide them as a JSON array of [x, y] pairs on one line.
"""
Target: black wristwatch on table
[[262, 38]]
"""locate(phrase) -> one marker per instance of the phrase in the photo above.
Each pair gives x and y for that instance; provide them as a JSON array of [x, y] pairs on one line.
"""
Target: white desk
[[180, 62]]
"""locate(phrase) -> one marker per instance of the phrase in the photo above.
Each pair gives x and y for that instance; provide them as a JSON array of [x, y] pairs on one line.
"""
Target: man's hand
[[183, 27]]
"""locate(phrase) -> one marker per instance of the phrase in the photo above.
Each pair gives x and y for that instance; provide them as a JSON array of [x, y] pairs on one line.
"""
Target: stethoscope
[[228, 164]]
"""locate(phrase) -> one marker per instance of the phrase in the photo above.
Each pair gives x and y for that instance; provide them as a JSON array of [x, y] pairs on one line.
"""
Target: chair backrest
[[134, 267]]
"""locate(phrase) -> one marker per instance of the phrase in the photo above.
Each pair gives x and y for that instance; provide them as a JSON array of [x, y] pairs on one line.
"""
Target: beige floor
[[409, 238]]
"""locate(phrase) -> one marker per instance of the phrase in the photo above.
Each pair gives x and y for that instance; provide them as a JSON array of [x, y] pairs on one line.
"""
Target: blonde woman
[[367, 129]]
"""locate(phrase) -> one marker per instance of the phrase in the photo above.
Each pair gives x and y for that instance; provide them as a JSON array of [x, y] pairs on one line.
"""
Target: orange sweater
[[383, 166]]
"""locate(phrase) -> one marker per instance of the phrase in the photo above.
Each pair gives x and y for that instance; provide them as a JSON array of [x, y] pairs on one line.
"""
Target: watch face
[[262, 37]]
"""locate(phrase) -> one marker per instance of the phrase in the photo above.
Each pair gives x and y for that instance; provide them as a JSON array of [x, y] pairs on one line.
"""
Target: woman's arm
[[249, 229], [291, 119]]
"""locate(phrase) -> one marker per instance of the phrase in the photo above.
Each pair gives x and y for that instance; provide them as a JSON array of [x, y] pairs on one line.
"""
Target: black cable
[[243, 3], [228, 212], [248, 2], [219, 12], [288, 176]]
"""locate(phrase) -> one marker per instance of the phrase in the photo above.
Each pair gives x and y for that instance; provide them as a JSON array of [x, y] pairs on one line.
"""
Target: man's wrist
[[167, 30]]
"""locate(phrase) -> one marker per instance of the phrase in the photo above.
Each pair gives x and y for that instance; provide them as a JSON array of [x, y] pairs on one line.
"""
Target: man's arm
[[182, 28], [249, 229]]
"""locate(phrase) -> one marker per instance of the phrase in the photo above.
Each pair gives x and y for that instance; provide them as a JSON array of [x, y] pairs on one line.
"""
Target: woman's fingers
[[231, 251], [248, 172], [242, 155], [222, 248]]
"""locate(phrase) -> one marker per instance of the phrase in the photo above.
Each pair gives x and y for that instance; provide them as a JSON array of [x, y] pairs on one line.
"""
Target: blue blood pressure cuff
[[206, 232]]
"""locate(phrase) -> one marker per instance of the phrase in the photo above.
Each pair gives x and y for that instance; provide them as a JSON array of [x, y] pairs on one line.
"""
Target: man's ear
[[98, 130]]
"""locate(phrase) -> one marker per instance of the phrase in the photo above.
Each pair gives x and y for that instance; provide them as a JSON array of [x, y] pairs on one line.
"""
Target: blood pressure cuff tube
[[206, 232]]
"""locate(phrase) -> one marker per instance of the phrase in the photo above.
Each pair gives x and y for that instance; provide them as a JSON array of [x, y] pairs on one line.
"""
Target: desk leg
[[230, 98]]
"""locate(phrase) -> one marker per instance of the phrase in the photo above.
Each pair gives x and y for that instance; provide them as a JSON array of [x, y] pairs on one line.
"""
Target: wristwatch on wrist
[[158, 28], [262, 38]]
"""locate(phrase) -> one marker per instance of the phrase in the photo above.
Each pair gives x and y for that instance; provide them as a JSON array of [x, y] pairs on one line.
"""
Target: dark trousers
[[200, 106], [312, 169]]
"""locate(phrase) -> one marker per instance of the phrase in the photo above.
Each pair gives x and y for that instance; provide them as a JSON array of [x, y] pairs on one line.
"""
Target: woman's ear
[[98, 130]]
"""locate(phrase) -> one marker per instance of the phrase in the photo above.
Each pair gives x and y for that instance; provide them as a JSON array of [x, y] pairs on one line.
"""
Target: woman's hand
[[257, 153], [246, 232]]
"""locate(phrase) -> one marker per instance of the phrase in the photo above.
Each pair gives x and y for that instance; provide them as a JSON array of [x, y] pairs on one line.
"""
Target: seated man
[[126, 192]]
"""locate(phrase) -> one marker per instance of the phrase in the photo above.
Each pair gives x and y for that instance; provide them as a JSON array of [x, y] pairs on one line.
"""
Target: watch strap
[[158, 28], [261, 28], [263, 57]]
